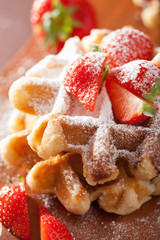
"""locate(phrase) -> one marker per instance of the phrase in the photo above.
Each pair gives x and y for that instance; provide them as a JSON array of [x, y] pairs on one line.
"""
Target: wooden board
[[96, 224]]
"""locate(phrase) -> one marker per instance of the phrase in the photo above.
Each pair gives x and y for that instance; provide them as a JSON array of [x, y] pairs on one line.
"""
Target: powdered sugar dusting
[[93, 136], [138, 75], [77, 109], [5, 113], [125, 45], [52, 65], [102, 226], [72, 50], [62, 102], [118, 229], [44, 105], [83, 78], [95, 61], [154, 123], [49, 75], [72, 183], [49, 67]]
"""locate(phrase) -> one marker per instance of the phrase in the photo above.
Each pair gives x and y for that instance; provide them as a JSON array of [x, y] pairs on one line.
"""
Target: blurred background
[[15, 28]]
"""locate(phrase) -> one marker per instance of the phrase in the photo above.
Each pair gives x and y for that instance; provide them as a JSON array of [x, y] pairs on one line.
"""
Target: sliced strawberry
[[125, 45], [14, 210], [127, 107], [156, 60], [137, 76], [84, 78], [52, 228]]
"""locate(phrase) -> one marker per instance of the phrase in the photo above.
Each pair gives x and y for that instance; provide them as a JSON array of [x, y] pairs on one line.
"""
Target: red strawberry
[[14, 210], [156, 60], [52, 228], [137, 76], [125, 45], [84, 78], [55, 21], [127, 107]]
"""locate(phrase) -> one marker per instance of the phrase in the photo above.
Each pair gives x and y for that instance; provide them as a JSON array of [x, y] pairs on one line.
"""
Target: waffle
[[20, 121], [78, 155], [16, 151], [95, 37]]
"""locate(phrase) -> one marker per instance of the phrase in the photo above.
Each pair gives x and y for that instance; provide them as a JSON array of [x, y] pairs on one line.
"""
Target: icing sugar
[[124, 45], [77, 109], [49, 75], [52, 65], [136, 72], [103, 146], [49, 67]]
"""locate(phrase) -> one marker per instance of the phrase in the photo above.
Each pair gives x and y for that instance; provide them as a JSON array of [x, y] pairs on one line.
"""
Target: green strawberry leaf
[[155, 91], [105, 74], [96, 48], [149, 97], [148, 110], [59, 23], [20, 178]]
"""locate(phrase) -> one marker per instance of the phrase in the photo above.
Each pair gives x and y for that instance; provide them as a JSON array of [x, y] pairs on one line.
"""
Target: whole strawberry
[[54, 21], [125, 45], [14, 210], [52, 228], [85, 76]]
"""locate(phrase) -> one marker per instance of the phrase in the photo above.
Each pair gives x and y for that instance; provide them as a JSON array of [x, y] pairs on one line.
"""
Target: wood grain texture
[[96, 224]]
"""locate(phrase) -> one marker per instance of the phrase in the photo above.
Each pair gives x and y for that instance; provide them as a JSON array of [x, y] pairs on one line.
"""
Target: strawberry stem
[[105, 74], [96, 48], [155, 91], [59, 23], [148, 110], [20, 178]]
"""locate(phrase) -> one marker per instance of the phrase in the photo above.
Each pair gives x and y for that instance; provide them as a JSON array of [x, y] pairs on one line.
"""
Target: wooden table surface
[[14, 32]]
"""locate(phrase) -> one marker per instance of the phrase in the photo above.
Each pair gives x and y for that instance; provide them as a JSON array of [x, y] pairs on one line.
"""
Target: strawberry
[[137, 76], [84, 78], [127, 107], [14, 210], [52, 228], [156, 60], [54, 21], [125, 45]]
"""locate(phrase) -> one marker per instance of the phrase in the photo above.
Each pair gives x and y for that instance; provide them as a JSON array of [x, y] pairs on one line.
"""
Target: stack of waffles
[[78, 155]]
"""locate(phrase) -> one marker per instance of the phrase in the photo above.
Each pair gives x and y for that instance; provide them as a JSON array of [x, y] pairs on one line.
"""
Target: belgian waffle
[[78, 155]]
